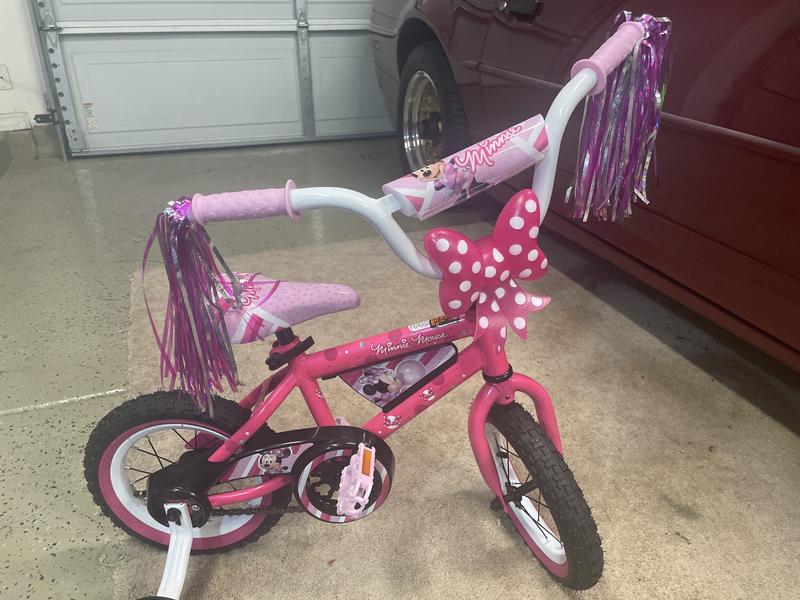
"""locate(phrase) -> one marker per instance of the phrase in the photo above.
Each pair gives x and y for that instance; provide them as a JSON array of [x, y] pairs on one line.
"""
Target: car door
[[719, 234]]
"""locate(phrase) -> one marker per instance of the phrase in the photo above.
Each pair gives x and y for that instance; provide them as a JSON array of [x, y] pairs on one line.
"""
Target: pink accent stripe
[[541, 141], [254, 323]]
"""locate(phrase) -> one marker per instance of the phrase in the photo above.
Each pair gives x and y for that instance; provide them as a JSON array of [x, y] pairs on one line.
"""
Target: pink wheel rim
[[559, 569], [154, 531]]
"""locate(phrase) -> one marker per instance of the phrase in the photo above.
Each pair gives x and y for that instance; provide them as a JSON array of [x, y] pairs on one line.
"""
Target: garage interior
[[685, 439]]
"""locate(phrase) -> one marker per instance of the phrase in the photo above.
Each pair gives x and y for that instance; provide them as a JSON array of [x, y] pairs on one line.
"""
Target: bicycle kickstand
[[180, 545]]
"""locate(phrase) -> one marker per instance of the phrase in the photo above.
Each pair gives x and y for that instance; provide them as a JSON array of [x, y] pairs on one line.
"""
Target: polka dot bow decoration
[[485, 271]]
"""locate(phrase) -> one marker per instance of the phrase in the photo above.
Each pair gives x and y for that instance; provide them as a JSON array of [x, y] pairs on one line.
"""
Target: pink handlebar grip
[[611, 54], [247, 204]]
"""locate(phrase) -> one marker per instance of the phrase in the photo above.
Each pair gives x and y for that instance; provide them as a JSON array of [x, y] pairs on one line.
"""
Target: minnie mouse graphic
[[450, 178], [381, 384]]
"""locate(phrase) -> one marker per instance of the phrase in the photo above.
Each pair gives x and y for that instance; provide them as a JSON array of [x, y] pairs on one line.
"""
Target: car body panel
[[720, 232]]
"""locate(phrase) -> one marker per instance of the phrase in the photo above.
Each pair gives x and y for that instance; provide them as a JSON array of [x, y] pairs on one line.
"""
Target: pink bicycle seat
[[270, 304]]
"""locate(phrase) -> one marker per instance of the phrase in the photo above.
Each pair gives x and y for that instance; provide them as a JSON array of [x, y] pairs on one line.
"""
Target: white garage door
[[138, 75]]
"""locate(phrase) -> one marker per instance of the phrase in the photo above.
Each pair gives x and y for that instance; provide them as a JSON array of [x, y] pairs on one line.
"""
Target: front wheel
[[146, 434], [547, 506]]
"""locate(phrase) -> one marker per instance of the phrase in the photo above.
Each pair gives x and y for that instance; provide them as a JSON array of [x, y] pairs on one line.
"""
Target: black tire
[[430, 59], [167, 405], [560, 491]]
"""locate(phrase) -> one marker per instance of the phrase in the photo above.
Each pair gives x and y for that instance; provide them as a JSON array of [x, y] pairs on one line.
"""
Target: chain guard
[[297, 448]]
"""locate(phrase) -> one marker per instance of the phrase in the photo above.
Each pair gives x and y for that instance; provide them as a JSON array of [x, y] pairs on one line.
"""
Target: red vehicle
[[720, 234]]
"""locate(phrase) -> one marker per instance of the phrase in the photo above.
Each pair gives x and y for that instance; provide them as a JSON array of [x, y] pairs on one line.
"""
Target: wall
[[18, 50]]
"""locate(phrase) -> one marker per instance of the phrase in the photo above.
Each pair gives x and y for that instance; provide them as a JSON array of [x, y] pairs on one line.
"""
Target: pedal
[[355, 484], [180, 545]]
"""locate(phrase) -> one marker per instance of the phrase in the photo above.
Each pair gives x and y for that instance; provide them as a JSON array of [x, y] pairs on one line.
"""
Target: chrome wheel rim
[[422, 121]]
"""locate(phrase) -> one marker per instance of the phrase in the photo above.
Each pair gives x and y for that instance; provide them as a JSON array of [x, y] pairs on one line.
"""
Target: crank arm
[[180, 545]]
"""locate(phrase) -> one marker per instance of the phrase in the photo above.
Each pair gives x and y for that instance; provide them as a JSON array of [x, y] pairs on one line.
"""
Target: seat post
[[285, 336]]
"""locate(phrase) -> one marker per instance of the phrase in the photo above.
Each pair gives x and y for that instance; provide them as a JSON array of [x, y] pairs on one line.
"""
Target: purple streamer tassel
[[619, 128], [196, 354]]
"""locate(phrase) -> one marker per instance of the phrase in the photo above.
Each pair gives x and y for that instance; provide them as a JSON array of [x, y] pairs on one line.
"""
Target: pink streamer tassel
[[196, 354], [617, 141]]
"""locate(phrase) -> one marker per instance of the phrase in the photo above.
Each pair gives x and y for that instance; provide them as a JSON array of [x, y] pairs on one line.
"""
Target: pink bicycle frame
[[304, 370]]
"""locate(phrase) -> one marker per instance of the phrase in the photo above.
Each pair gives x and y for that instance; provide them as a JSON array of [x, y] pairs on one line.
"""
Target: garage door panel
[[347, 99], [198, 90], [123, 10], [336, 9]]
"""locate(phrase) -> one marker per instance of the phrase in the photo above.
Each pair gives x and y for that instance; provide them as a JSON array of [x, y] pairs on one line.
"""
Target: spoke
[[158, 458], [545, 531], [139, 470], [185, 441], [140, 479]]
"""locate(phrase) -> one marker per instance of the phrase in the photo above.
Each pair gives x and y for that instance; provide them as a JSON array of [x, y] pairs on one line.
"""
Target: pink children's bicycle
[[191, 471]]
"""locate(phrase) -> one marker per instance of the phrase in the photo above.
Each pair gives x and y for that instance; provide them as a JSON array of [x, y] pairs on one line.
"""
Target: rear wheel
[[146, 434], [432, 123], [548, 508]]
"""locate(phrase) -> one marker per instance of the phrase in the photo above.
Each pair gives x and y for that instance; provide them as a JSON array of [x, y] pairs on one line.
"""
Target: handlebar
[[272, 202], [247, 204], [588, 78], [611, 54]]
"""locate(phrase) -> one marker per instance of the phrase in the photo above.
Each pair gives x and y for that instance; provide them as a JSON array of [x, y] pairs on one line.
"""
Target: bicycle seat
[[271, 304]]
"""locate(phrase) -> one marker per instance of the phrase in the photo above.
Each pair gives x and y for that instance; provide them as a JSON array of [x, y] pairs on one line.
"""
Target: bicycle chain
[[270, 510]]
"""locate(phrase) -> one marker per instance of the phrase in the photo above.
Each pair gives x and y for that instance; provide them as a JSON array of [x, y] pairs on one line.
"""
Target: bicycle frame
[[304, 371]]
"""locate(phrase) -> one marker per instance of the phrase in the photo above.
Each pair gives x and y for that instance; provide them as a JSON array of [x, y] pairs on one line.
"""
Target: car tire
[[431, 122]]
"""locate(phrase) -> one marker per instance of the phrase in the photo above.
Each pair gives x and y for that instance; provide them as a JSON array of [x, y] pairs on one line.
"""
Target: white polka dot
[[536, 301], [515, 249], [483, 298], [520, 298], [461, 247], [496, 255], [519, 323], [512, 283], [473, 297], [533, 254], [476, 266], [516, 222], [530, 206], [525, 273], [500, 292], [544, 263], [498, 349], [483, 322], [454, 267], [454, 304], [442, 245], [534, 232], [504, 275], [503, 332], [495, 306], [490, 271], [464, 286]]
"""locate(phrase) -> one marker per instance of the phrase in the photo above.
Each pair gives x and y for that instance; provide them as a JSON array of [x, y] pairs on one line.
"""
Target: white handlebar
[[379, 214]]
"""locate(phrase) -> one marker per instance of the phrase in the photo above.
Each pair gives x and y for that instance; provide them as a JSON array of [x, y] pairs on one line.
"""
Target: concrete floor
[[684, 439]]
